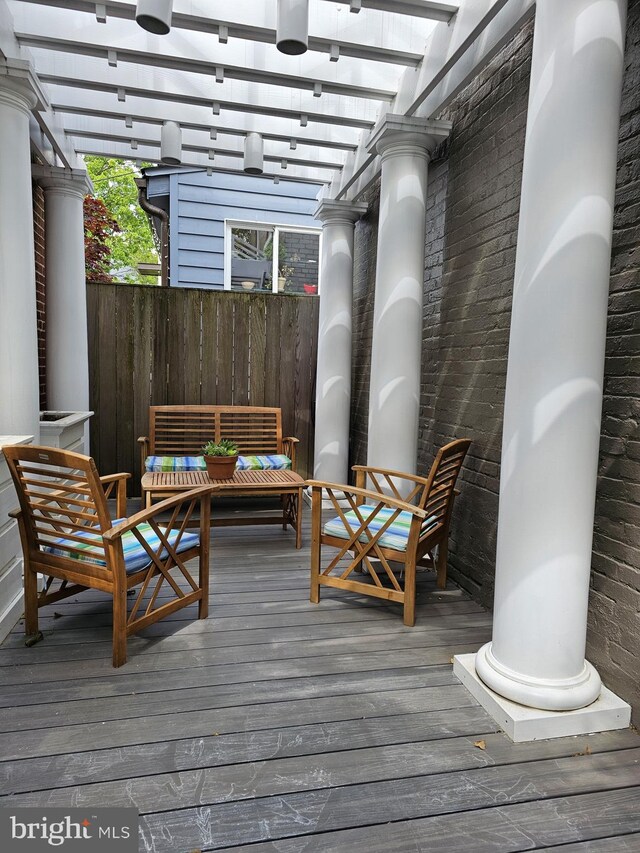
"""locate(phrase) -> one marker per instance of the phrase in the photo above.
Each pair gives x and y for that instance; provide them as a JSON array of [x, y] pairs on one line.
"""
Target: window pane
[[298, 258], [251, 258]]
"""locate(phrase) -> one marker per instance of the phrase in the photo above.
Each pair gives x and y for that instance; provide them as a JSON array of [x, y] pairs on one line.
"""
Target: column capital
[[331, 211], [399, 134], [20, 87], [73, 182]]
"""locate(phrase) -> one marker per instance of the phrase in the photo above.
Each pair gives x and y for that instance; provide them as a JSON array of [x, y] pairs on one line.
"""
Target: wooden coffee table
[[287, 484]]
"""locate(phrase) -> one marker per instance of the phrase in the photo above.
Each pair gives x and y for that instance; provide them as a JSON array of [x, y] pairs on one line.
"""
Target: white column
[[556, 359], [66, 295], [405, 145], [333, 375], [19, 384]]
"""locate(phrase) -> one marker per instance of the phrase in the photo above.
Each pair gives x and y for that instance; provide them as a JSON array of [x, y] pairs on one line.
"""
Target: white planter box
[[66, 430]]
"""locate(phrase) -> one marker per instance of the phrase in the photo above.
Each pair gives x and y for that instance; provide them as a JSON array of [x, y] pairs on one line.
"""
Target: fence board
[[125, 360], [241, 350], [208, 374], [223, 364], [151, 346], [257, 343]]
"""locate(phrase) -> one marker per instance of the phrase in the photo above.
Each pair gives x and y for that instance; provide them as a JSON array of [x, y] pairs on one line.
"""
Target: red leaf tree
[[99, 226]]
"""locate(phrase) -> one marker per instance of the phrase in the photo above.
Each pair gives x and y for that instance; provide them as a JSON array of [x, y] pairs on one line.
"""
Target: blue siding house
[[246, 217]]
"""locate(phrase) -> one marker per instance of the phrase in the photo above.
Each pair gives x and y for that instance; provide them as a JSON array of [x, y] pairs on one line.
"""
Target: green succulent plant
[[224, 447]]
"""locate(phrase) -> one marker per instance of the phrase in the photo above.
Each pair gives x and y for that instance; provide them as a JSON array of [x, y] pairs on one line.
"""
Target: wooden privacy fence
[[149, 346]]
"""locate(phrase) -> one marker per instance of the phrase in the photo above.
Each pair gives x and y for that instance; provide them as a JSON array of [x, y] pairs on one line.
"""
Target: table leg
[[298, 498]]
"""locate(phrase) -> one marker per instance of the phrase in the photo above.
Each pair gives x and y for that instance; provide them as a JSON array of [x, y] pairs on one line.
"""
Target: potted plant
[[220, 458]]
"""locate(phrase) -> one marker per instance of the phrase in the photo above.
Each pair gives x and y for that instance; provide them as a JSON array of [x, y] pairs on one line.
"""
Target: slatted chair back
[[439, 491], [63, 503]]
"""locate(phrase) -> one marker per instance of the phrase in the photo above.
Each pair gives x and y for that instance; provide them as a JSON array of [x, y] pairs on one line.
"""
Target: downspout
[[163, 216]]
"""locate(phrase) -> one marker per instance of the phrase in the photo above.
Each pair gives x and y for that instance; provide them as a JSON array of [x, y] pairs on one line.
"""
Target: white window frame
[[275, 227]]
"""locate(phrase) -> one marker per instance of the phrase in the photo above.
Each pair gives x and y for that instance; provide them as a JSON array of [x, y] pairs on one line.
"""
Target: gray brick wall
[[613, 641], [472, 220]]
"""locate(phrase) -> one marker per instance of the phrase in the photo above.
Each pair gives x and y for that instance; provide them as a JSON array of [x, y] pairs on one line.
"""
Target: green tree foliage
[[132, 242]]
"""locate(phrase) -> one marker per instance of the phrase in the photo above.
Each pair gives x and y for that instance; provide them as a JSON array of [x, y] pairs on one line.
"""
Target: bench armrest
[[143, 441], [289, 449]]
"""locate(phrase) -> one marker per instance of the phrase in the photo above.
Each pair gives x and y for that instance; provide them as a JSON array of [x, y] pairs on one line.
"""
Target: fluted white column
[[333, 372], [405, 145], [66, 294], [19, 385], [556, 359]]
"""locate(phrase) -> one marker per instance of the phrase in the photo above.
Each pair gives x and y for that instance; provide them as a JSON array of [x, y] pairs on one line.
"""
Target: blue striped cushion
[[174, 463], [135, 556], [263, 463], [395, 536]]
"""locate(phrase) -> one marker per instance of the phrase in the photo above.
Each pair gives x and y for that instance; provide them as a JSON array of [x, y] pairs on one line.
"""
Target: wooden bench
[[183, 430], [176, 431]]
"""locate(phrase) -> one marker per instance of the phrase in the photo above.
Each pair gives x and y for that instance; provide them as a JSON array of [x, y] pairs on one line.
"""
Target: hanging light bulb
[[154, 16], [253, 154], [171, 144], [292, 34]]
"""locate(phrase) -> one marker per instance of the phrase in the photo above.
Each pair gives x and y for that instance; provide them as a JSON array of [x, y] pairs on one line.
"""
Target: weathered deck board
[[281, 725]]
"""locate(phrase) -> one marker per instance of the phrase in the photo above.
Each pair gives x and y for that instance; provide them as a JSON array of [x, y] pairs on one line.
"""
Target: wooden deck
[[277, 725]]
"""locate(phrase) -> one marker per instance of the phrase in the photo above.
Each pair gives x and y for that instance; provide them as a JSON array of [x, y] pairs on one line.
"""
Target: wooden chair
[[383, 525], [68, 535]]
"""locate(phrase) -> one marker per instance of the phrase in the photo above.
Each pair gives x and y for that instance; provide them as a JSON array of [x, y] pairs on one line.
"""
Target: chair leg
[[409, 613], [205, 543], [441, 562], [316, 546], [119, 626], [30, 603]]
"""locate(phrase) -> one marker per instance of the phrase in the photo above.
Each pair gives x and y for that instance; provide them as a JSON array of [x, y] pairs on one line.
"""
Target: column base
[[326, 503], [522, 723]]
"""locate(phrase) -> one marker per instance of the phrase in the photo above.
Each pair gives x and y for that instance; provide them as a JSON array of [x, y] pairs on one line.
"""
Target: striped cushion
[[174, 463], [135, 556], [263, 463], [395, 536]]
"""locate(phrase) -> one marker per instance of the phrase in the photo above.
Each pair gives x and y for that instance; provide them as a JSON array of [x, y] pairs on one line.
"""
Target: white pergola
[[364, 101]]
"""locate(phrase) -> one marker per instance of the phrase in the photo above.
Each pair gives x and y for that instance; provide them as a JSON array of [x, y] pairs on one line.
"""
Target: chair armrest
[[120, 483], [367, 469], [151, 512], [289, 448], [15, 513], [317, 486]]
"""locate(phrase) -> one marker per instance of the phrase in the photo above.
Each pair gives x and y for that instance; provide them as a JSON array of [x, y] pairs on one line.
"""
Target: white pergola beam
[[87, 74], [196, 140], [195, 118], [255, 72], [415, 8], [384, 44], [193, 160]]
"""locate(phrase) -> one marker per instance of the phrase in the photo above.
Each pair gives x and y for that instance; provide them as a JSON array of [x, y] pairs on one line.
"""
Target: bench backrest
[[182, 430]]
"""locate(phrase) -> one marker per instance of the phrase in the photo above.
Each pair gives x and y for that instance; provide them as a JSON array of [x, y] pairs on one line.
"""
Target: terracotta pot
[[220, 467]]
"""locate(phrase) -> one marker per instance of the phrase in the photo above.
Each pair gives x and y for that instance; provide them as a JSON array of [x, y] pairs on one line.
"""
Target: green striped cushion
[[135, 556], [395, 536], [174, 463], [275, 461]]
